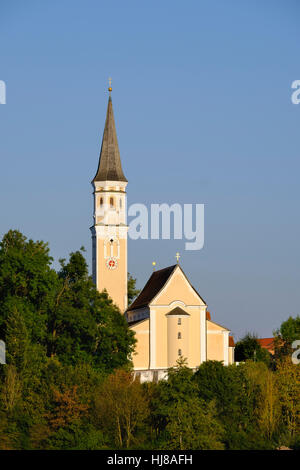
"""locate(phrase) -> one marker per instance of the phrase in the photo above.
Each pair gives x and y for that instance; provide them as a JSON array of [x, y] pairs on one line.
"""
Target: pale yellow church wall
[[215, 341], [113, 280], [215, 347], [195, 337], [177, 288], [161, 336], [167, 342], [141, 355], [174, 343]]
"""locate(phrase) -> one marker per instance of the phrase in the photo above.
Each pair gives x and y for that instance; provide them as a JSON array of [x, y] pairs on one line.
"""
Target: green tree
[[269, 405], [218, 383], [7, 436], [11, 389], [179, 417], [193, 425], [132, 291], [60, 333], [121, 407], [83, 324], [26, 279], [178, 387], [236, 392], [63, 415], [16, 337], [288, 332], [61, 312], [288, 389], [249, 348]]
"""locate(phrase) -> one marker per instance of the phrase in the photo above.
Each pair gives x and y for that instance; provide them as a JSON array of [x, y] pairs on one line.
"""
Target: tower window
[[179, 321], [111, 202], [179, 352], [121, 203], [179, 335], [101, 201]]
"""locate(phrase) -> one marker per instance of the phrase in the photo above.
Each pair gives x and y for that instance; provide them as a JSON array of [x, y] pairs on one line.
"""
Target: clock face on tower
[[111, 263]]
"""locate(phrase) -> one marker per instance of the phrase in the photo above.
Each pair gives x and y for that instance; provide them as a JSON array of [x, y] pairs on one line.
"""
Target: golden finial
[[177, 256], [109, 83], [153, 264]]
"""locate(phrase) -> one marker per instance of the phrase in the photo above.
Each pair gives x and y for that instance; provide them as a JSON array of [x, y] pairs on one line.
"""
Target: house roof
[[109, 167], [266, 343], [153, 286], [231, 342]]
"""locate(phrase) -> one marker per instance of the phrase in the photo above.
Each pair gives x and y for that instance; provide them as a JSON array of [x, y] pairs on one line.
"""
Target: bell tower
[[109, 232]]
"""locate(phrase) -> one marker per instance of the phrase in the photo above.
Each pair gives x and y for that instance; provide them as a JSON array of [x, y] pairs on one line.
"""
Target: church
[[169, 317]]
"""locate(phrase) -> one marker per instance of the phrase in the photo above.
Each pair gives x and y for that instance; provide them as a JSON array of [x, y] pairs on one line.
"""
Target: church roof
[[109, 167], [153, 286], [155, 283]]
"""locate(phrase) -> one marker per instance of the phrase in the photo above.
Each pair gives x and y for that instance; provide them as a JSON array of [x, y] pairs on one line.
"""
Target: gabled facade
[[170, 321]]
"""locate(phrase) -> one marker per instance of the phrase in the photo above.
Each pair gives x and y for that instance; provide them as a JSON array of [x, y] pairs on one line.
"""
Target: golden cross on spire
[[177, 256], [109, 83], [153, 264]]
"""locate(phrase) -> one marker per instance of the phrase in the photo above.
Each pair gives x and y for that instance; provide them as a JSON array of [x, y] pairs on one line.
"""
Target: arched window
[[101, 201], [111, 202], [111, 247], [179, 352], [179, 321], [121, 203], [179, 335]]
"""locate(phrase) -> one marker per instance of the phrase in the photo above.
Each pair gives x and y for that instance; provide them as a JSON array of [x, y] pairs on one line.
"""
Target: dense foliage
[[132, 291], [68, 383], [249, 348]]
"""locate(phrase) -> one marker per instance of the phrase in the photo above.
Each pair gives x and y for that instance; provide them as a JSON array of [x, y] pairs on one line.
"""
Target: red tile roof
[[267, 343], [231, 342]]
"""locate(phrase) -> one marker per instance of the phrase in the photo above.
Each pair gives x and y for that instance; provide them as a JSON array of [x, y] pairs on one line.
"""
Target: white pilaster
[[152, 339], [226, 350], [202, 334]]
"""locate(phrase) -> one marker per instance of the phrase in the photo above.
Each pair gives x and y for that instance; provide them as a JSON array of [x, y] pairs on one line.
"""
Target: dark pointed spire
[[109, 168]]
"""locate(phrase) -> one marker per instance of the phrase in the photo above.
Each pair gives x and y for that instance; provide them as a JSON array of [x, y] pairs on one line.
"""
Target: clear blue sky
[[202, 101]]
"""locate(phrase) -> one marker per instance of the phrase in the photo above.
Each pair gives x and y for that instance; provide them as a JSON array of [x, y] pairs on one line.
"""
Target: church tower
[[109, 232]]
